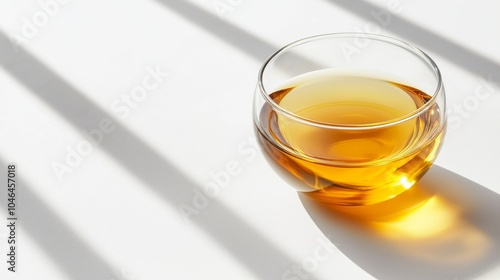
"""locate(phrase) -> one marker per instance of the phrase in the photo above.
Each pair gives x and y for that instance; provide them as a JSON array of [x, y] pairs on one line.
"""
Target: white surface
[[116, 215]]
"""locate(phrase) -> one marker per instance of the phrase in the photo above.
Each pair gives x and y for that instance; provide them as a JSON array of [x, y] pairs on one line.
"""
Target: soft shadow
[[237, 37], [76, 258], [243, 242], [466, 58], [445, 227]]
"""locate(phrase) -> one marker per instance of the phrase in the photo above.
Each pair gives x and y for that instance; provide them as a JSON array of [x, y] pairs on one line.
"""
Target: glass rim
[[381, 38]]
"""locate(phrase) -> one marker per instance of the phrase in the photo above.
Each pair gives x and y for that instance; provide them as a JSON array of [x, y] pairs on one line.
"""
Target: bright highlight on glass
[[350, 128]]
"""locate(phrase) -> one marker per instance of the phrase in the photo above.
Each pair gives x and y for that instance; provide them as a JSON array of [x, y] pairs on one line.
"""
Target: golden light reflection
[[422, 225], [406, 183], [429, 219]]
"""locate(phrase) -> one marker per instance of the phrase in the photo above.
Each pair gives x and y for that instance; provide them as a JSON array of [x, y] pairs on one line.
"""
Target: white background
[[115, 212]]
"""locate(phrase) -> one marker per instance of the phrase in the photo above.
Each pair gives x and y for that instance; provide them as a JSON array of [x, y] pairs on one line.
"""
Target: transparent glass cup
[[350, 118]]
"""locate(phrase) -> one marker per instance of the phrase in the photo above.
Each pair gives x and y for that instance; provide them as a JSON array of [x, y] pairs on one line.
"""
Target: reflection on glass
[[350, 129]]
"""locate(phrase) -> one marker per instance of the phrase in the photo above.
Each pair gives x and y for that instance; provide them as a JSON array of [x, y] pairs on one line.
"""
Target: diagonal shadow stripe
[[466, 58], [244, 41], [75, 257], [238, 238], [235, 36]]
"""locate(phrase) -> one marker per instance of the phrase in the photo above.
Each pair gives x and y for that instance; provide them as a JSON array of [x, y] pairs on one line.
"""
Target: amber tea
[[364, 164], [350, 128]]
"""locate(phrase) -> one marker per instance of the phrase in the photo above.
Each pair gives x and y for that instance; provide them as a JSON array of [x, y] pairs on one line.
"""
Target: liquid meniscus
[[351, 141]]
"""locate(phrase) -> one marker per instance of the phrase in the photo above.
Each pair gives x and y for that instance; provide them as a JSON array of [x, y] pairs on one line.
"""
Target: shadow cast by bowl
[[445, 227]]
